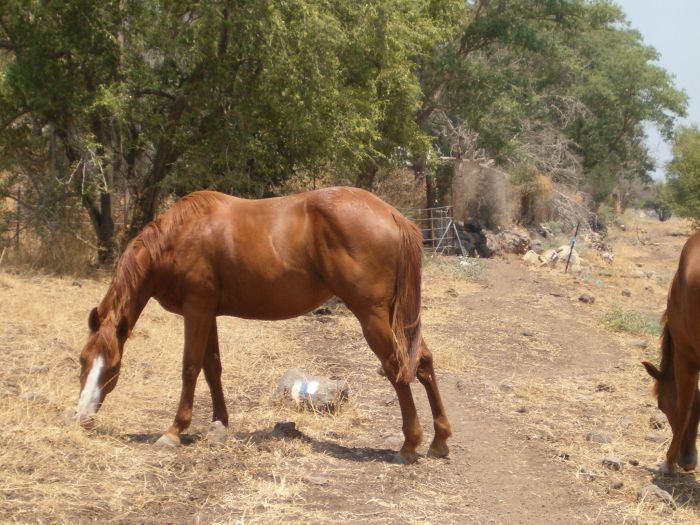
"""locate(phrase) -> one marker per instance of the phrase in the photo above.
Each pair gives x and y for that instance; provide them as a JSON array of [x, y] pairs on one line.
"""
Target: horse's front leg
[[688, 459], [212, 373], [686, 386], [198, 326]]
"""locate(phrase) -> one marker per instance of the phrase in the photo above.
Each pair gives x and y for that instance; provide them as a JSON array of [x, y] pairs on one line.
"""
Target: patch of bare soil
[[528, 372]]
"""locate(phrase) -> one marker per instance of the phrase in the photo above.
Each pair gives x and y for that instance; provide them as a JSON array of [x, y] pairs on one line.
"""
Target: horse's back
[[280, 257]]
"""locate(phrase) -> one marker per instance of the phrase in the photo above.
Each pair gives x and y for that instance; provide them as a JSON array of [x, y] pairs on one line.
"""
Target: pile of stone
[[555, 258]]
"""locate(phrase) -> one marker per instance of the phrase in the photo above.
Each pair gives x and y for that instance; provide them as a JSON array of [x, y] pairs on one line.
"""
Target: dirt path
[[496, 473]]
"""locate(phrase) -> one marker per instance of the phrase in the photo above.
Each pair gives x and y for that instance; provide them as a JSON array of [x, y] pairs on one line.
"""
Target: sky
[[673, 28]]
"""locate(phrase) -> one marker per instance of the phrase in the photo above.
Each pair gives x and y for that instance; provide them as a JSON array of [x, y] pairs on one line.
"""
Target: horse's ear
[[652, 370], [94, 320], [122, 328]]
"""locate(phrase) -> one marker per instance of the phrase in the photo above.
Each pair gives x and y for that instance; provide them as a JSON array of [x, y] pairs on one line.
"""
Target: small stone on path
[[587, 298], [598, 437], [657, 421], [612, 463], [656, 437]]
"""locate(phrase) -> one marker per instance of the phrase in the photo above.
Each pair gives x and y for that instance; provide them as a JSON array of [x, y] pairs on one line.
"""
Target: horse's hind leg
[[443, 430], [197, 329], [212, 373], [377, 332]]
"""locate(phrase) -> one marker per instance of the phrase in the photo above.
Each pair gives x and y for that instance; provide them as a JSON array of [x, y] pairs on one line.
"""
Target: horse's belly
[[281, 299]]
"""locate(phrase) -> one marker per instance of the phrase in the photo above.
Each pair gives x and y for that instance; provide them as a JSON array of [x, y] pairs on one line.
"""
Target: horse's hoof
[[667, 468], [404, 458], [167, 441], [216, 435], [87, 423], [438, 450]]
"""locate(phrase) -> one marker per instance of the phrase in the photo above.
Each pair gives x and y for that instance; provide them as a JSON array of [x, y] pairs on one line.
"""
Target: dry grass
[[52, 471]]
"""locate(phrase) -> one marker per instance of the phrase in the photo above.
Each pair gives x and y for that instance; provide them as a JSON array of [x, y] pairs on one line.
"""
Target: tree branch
[[154, 92]]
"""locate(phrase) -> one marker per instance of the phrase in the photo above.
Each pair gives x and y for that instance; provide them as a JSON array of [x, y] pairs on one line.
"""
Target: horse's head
[[100, 361], [665, 391]]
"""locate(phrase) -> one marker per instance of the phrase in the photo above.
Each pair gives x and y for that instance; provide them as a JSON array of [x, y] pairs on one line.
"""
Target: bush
[[618, 319]]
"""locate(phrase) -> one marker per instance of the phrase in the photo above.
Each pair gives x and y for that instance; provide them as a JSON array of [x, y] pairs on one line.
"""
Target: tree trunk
[[144, 207], [367, 176], [103, 223]]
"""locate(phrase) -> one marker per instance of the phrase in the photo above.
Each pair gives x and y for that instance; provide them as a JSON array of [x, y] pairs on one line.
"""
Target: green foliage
[[620, 319], [682, 189], [132, 100]]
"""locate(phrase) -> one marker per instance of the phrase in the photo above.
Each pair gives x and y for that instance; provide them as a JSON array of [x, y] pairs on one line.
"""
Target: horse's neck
[[130, 291]]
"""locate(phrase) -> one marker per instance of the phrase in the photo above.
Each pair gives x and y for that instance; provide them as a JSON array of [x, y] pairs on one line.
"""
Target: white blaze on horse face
[[90, 396]]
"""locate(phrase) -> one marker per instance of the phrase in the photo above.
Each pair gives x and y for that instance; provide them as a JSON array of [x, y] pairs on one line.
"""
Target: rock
[[616, 485], [598, 437], [612, 463], [216, 434], [652, 492], [656, 437], [313, 392], [608, 257], [514, 241], [550, 258], [604, 387], [323, 311], [587, 298], [532, 259], [317, 480], [76, 283], [657, 421], [627, 292], [452, 292], [625, 422], [286, 429], [639, 344], [526, 333], [521, 410], [634, 462], [474, 239]]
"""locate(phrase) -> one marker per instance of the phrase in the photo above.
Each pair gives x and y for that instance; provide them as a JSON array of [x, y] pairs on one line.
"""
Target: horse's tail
[[405, 312]]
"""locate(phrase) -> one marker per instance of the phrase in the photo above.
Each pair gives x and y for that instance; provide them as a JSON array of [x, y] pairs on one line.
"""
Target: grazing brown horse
[[676, 385], [213, 254]]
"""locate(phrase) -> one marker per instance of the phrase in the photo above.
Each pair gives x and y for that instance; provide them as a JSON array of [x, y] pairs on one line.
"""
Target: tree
[[141, 98], [682, 189]]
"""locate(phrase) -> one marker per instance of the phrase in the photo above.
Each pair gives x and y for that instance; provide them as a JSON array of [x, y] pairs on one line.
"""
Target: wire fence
[[438, 228]]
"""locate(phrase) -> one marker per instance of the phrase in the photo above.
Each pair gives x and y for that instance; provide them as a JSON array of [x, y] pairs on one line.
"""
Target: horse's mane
[[131, 269], [666, 365]]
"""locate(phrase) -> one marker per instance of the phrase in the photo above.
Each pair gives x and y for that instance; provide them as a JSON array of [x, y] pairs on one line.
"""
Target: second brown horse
[[212, 254], [677, 378]]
